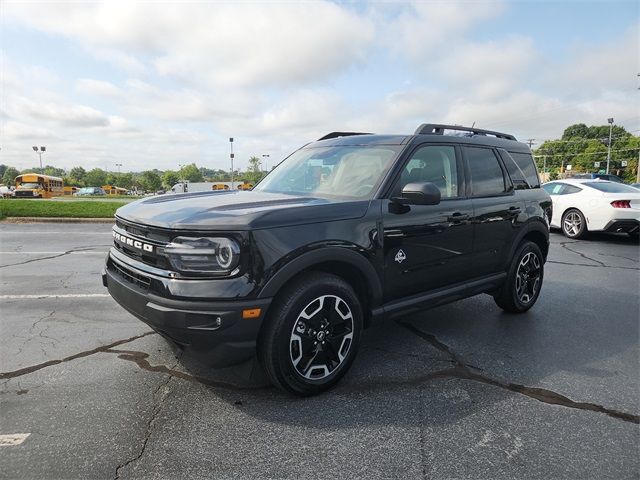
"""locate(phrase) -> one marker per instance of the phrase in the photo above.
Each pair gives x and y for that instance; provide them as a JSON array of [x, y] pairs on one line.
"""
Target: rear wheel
[[312, 334], [574, 225], [524, 280]]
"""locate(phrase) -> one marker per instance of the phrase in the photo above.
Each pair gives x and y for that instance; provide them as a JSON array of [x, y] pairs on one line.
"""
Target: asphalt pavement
[[460, 391]]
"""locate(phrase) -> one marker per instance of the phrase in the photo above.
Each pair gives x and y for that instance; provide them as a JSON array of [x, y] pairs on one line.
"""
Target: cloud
[[63, 114], [221, 43], [99, 88]]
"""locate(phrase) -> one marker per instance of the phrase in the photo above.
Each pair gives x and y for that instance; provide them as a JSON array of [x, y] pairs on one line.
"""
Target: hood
[[237, 210]]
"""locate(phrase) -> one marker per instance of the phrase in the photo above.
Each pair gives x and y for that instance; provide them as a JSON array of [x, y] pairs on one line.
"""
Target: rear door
[[428, 246], [498, 213]]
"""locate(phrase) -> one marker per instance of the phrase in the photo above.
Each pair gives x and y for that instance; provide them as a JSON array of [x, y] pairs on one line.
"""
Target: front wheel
[[312, 333], [524, 280]]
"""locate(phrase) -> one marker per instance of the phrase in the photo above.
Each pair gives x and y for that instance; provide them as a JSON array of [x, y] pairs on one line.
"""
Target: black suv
[[346, 230]]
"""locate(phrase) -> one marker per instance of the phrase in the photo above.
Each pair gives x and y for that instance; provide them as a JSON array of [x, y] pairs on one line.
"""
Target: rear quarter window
[[528, 167]]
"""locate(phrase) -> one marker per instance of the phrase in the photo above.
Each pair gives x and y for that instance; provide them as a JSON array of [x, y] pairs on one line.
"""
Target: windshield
[[339, 171], [29, 185], [612, 187]]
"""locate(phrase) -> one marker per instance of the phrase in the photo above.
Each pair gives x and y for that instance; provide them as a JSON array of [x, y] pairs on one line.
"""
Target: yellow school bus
[[245, 186], [69, 191], [113, 190], [34, 185], [219, 186]]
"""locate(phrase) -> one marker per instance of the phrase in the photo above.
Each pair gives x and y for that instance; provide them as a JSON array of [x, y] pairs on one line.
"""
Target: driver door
[[428, 246]]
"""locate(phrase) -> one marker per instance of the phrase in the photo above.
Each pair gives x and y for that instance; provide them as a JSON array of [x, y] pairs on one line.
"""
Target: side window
[[528, 167], [435, 164], [559, 188], [568, 189], [487, 177]]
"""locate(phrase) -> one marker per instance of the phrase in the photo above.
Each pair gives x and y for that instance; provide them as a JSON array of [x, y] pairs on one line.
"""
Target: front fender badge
[[400, 256]]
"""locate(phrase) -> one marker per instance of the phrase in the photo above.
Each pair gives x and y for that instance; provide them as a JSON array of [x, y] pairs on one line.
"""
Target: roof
[[433, 133]]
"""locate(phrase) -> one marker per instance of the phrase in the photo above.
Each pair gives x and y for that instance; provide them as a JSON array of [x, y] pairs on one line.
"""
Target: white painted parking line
[[54, 295], [84, 252], [13, 439]]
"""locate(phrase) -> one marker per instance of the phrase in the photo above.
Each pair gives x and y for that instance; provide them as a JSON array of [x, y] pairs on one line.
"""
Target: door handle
[[515, 209], [457, 217]]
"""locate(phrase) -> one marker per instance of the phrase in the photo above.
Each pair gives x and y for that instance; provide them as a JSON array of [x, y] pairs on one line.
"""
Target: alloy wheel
[[321, 337], [528, 277], [572, 224]]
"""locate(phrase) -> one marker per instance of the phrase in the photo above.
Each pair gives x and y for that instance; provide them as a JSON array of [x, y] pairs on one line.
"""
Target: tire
[[297, 351], [527, 266], [574, 225]]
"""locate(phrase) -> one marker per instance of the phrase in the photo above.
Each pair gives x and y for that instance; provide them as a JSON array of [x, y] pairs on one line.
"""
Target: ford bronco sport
[[346, 230]]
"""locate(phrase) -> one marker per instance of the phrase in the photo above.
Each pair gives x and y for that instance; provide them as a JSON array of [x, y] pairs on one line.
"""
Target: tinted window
[[435, 164], [570, 189], [611, 187], [486, 174], [528, 167]]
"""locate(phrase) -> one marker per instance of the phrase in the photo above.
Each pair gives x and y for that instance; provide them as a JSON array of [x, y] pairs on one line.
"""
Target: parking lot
[[461, 391]]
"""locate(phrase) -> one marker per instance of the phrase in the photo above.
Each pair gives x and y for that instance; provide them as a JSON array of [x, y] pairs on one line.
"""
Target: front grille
[[148, 235], [140, 281], [23, 193]]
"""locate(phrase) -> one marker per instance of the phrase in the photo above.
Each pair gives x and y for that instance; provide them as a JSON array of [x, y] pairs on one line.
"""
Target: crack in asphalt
[[564, 245], [591, 265], [57, 255], [464, 371], [635, 260], [86, 353], [162, 392], [140, 359]]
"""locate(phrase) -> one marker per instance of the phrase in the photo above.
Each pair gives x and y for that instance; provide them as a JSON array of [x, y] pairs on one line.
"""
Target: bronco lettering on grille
[[132, 243]]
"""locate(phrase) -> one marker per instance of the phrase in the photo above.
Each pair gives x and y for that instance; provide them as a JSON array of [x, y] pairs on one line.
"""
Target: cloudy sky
[[156, 84]]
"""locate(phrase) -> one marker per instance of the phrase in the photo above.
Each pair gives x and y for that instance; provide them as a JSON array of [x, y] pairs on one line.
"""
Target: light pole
[[610, 120], [231, 157], [266, 169], [40, 152], [118, 165]]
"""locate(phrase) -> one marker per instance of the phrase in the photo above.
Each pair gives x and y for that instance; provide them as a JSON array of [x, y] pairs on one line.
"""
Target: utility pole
[[266, 169], [610, 120], [231, 156], [530, 142]]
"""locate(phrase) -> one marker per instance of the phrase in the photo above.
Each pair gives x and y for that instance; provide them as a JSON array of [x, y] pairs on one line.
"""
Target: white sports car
[[585, 205]]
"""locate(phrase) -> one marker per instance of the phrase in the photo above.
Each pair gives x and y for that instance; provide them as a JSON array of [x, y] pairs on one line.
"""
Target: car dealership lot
[[462, 391]]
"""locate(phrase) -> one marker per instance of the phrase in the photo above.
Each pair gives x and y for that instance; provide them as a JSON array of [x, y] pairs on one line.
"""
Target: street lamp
[[40, 152], [610, 120], [118, 165], [231, 156], [266, 169]]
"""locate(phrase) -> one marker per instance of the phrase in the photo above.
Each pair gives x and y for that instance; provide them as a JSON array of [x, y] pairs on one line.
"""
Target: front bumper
[[212, 331]]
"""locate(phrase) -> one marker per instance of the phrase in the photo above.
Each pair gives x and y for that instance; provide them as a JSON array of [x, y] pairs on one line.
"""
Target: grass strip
[[46, 208]]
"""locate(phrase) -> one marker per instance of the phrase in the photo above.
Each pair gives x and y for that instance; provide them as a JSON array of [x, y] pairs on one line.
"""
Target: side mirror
[[423, 193]]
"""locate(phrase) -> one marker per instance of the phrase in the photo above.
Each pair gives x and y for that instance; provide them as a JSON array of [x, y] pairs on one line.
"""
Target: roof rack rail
[[437, 129], [341, 134]]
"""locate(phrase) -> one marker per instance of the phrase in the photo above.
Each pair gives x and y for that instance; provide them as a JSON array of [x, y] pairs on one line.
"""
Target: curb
[[56, 220]]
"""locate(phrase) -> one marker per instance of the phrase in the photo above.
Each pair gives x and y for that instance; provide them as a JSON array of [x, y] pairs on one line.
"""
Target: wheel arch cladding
[[351, 266]]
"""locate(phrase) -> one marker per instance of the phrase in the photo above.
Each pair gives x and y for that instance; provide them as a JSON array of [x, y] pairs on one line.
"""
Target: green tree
[[3, 168], [150, 181], [95, 178], [191, 173], [9, 176], [254, 173], [125, 180], [78, 173], [170, 178], [54, 171]]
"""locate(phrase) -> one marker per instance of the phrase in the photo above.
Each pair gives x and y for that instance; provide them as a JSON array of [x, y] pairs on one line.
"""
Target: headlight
[[204, 255]]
